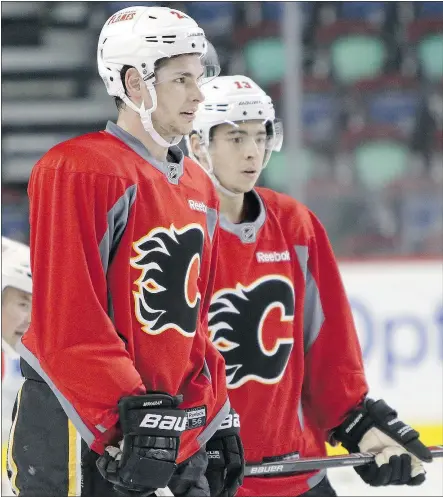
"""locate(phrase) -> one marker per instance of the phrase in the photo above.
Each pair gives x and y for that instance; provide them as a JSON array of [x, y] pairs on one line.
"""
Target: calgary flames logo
[[240, 318], [167, 295]]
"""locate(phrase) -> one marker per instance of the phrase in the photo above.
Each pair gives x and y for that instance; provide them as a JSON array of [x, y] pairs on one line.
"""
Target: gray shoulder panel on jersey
[[206, 371], [302, 253], [72, 414], [117, 220], [166, 167], [213, 426], [313, 316], [246, 232], [211, 221]]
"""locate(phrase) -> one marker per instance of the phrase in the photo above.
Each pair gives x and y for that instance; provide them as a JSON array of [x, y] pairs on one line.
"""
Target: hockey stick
[[164, 492], [315, 463]]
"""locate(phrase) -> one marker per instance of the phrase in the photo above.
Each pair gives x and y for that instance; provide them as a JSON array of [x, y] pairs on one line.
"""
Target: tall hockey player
[[280, 316], [123, 387], [16, 313]]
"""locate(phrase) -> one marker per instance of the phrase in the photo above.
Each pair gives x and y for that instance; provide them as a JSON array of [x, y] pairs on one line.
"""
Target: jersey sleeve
[[76, 345], [334, 380]]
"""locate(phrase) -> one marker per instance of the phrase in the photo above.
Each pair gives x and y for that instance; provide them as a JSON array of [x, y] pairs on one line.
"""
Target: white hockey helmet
[[16, 270], [139, 36], [232, 99]]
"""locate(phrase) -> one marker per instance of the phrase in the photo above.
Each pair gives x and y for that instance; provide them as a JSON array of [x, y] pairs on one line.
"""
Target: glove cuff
[[152, 415], [351, 431]]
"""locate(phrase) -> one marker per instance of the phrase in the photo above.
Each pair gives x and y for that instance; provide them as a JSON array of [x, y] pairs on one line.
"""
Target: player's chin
[[247, 184], [185, 128], [239, 189]]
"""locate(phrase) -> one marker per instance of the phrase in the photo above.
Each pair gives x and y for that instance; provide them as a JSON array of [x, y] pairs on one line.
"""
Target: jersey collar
[[247, 231], [173, 168]]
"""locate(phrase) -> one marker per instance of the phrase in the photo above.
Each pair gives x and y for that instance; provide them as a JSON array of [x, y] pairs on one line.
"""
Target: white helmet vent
[[161, 39], [217, 107]]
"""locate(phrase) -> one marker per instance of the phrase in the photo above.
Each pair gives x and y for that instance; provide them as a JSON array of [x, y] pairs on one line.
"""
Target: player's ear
[[194, 141], [198, 150], [134, 85]]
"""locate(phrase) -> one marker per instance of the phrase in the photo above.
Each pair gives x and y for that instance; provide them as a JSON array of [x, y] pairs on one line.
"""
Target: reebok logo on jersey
[[197, 206], [273, 256]]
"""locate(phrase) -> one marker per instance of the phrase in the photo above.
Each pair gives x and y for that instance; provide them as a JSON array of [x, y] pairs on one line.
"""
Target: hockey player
[[123, 387], [280, 316], [16, 312], [16, 292]]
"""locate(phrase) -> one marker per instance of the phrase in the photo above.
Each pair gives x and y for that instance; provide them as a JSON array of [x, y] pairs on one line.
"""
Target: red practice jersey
[[281, 319], [123, 255]]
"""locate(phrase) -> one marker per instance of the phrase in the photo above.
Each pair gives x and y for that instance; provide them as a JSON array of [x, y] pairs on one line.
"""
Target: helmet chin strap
[[215, 180], [210, 172], [145, 117], [221, 188]]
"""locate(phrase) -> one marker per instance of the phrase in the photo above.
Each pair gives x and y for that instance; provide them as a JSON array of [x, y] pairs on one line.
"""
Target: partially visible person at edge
[[16, 314]]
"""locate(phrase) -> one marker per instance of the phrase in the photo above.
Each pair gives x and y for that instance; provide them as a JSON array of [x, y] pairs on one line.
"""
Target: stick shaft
[[316, 463]]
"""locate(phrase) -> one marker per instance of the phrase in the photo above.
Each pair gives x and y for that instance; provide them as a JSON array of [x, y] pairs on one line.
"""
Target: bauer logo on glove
[[164, 422]]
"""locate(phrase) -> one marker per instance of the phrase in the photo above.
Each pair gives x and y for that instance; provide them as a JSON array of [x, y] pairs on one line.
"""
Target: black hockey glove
[[152, 425], [374, 427], [226, 461]]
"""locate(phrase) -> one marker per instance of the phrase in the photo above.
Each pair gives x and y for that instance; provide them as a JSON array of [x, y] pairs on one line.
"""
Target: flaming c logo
[[252, 327], [167, 295]]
